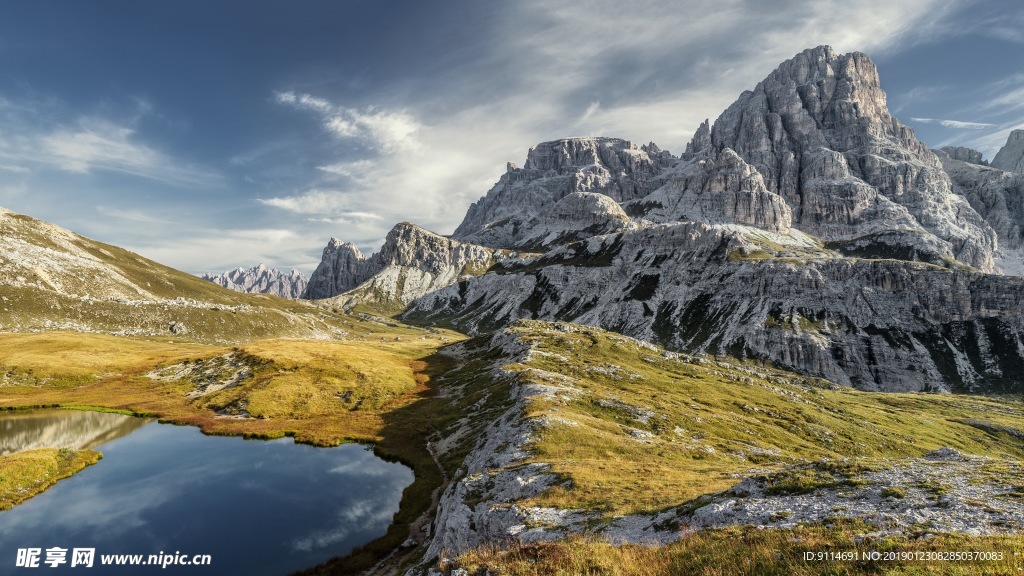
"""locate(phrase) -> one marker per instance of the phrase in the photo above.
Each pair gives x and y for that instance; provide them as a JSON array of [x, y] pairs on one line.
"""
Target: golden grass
[[647, 432], [25, 474]]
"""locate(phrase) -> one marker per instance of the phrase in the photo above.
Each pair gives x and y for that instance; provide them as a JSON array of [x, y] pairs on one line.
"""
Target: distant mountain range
[[261, 280]]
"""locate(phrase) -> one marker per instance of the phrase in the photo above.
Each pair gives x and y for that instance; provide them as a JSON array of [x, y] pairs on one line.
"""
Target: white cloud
[[91, 144], [319, 202], [955, 123], [1009, 100], [385, 130], [304, 101]]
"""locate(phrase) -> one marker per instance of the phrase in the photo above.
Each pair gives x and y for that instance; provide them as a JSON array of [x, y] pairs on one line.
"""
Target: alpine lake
[[253, 506]]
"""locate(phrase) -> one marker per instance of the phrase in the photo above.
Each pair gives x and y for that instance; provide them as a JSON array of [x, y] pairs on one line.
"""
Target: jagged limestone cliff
[[1011, 156], [411, 263], [507, 216], [819, 131]]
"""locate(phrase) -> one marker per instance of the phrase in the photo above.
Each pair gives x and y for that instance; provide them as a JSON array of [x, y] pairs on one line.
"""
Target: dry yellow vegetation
[[25, 474]]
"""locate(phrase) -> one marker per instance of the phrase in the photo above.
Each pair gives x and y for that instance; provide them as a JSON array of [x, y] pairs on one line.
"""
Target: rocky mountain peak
[[819, 132], [411, 262], [569, 154], [340, 270], [1011, 156]]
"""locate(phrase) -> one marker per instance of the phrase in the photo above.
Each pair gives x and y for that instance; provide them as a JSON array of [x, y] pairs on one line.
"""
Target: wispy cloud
[[356, 170], [318, 202], [955, 123], [1011, 99], [132, 215], [385, 130], [87, 144]]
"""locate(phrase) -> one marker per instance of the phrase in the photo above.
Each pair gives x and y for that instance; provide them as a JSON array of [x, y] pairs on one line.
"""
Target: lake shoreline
[[30, 473]]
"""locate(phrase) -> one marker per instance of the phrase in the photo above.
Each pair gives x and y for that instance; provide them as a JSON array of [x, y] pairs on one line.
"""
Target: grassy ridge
[[640, 430], [25, 474]]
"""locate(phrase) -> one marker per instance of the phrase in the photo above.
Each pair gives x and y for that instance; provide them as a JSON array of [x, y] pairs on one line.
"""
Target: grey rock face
[[553, 170], [873, 324], [999, 197], [411, 263], [342, 267], [963, 154], [260, 279], [577, 216], [1011, 156], [717, 187], [819, 132]]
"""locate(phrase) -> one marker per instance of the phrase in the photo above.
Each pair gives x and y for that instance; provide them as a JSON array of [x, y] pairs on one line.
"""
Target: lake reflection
[[256, 507], [28, 429]]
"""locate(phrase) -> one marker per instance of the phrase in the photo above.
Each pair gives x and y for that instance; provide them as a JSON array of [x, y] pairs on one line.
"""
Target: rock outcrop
[[342, 267], [717, 187], [963, 154], [261, 280], [1011, 156], [576, 216], [411, 263], [998, 196], [616, 168]]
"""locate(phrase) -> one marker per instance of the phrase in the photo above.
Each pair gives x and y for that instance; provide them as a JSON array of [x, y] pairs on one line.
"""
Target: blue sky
[[208, 135]]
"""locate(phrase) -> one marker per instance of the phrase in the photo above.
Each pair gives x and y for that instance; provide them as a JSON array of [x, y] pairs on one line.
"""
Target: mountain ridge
[[262, 280]]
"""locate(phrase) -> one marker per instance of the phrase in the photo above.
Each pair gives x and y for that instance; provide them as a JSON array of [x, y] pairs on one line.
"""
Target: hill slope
[[52, 278]]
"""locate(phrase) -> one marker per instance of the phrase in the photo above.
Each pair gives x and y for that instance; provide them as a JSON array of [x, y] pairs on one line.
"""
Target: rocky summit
[[262, 280], [805, 227], [412, 262], [1011, 156]]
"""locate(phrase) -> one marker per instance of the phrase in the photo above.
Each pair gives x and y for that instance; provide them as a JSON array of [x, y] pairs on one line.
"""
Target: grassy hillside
[[644, 429], [54, 279], [632, 429]]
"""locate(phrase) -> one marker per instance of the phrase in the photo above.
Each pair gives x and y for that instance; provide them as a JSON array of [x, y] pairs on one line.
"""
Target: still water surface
[[256, 507]]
